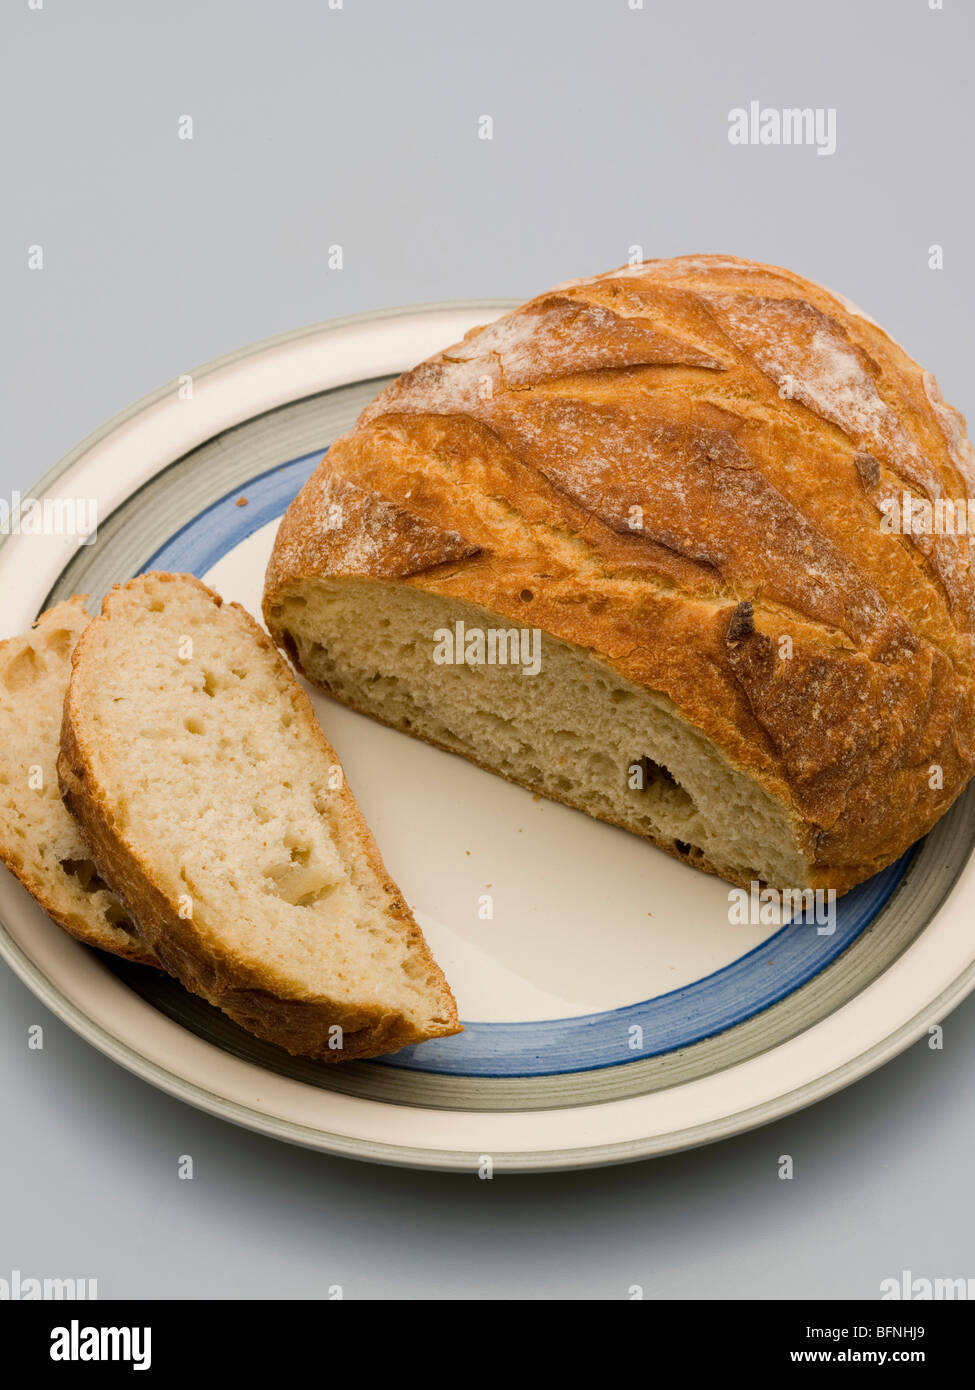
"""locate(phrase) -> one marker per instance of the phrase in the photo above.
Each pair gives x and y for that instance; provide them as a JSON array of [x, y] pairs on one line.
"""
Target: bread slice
[[218, 812], [39, 842]]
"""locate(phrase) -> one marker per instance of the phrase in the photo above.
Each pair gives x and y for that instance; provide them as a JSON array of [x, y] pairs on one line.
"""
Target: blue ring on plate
[[779, 966]]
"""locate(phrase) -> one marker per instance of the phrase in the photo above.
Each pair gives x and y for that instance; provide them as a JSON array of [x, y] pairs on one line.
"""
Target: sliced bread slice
[[218, 812], [39, 841]]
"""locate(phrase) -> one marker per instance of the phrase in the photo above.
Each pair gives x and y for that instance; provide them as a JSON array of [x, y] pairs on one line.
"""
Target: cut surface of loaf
[[219, 813], [39, 841], [574, 731], [681, 474]]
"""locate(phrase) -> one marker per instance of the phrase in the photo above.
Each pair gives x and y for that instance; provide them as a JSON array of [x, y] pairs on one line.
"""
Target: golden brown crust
[[627, 460], [251, 996]]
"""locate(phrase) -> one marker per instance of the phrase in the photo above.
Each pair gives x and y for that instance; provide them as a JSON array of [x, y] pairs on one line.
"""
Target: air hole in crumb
[[115, 916], [193, 725], [290, 646], [298, 880], [156, 605], [23, 670], [59, 641], [317, 896], [209, 684], [692, 852], [655, 774], [89, 880]]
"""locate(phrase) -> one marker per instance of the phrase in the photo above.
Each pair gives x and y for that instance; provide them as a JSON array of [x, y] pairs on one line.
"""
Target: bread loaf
[[219, 814], [39, 841], [675, 483]]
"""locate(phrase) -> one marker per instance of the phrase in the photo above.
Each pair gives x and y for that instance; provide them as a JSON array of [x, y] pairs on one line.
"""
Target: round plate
[[612, 1007]]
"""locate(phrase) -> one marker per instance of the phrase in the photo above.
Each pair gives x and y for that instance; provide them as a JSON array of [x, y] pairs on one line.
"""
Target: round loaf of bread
[[684, 545]]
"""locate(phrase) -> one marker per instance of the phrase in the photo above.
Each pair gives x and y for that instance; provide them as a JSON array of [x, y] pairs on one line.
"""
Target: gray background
[[358, 127]]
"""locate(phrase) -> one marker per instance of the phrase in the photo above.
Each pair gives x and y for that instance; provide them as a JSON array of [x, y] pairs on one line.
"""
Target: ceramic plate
[[612, 1009]]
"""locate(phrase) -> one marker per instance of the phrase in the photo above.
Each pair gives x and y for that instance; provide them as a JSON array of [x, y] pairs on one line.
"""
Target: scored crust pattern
[[677, 465]]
